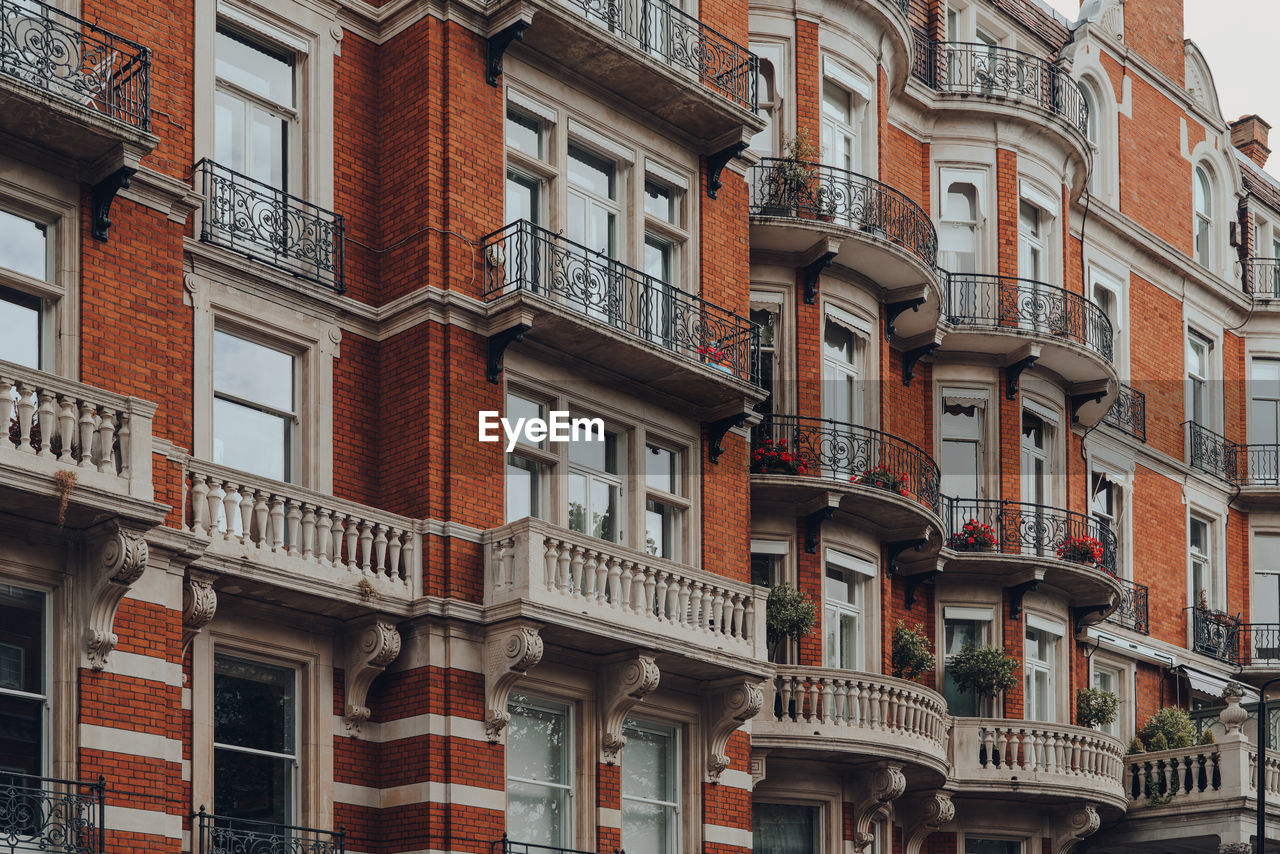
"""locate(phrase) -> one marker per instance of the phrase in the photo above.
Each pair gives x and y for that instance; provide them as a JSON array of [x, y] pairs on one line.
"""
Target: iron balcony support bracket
[[717, 430], [716, 163], [498, 345], [913, 583], [895, 549], [1013, 373], [893, 309], [104, 192], [813, 528], [910, 357], [1079, 400], [1016, 592], [497, 46], [812, 271]]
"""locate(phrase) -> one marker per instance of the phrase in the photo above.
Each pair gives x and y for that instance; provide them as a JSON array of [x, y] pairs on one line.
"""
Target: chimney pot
[[1249, 134]]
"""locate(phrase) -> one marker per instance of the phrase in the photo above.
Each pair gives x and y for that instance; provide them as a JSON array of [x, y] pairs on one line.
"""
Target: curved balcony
[[819, 214], [1018, 542], [1128, 413], [1029, 322], [815, 712], [1037, 761], [819, 465]]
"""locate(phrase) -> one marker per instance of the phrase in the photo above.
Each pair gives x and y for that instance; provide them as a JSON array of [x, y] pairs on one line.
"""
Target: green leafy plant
[[1169, 728], [788, 186], [1207, 737], [1096, 707], [789, 615], [984, 670], [912, 652], [1136, 746]]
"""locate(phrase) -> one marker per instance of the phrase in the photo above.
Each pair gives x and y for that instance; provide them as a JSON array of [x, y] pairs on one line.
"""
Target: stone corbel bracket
[[199, 603], [623, 685], [929, 814], [728, 706], [1080, 822], [509, 652], [121, 560], [884, 786], [370, 644]]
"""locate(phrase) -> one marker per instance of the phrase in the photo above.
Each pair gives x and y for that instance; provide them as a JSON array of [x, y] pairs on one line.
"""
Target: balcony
[[821, 214], [1215, 634], [649, 53], [1031, 323], [1128, 413], [260, 222], [817, 466], [1261, 277], [46, 814], [1258, 647], [1018, 543], [73, 90], [59, 432], [284, 541], [605, 597], [1210, 452], [815, 712], [1035, 761], [1132, 611], [577, 302], [509, 846], [223, 835]]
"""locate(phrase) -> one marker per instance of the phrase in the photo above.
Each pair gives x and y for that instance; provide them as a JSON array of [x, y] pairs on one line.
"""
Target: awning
[[1202, 680]]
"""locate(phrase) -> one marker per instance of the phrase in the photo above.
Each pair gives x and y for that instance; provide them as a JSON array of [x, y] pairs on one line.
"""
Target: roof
[[1042, 21], [1258, 183]]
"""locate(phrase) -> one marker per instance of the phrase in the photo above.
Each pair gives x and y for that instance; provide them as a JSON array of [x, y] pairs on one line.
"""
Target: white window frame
[[1122, 727], [979, 179], [1048, 209], [292, 418], [859, 572], [861, 331], [1102, 279], [773, 57], [1202, 380], [1051, 667], [569, 763], [980, 398], [1204, 218], [982, 612], [1215, 593], [676, 771]]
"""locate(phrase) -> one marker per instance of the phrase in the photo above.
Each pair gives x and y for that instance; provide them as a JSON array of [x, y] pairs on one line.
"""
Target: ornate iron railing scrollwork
[[1132, 612], [839, 451], [525, 257], [975, 299], [1258, 643], [1261, 277], [1253, 465], [224, 835], [269, 225], [1215, 634], [510, 846], [1211, 453], [1021, 528], [1128, 413], [47, 814], [58, 53], [980, 69], [790, 188]]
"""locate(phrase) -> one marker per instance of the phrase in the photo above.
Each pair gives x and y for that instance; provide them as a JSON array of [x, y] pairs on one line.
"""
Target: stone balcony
[[603, 597], [61, 431], [821, 712], [282, 542]]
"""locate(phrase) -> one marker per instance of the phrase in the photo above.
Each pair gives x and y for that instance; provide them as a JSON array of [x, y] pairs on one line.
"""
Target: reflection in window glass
[[539, 769], [22, 683], [254, 406], [255, 740], [20, 320], [24, 246], [784, 829], [650, 789]]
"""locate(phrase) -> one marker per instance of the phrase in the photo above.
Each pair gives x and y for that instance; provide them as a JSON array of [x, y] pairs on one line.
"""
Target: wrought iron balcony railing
[[1019, 528], [1258, 643], [255, 219], [224, 835], [60, 54], [46, 814], [820, 447], [510, 846], [1215, 634], [681, 42], [1262, 277], [980, 69], [1132, 610], [978, 300], [1211, 453], [525, 257], [1253, 465], [1129, 413], [796, 189]]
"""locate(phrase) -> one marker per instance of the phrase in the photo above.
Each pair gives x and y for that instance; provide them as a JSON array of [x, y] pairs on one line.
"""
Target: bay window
[[595, 487], [844, 613], [962, 432]]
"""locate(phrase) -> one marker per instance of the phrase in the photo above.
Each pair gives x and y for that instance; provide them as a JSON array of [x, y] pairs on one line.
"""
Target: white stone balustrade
[[301, 532], [618, 589], [56, 424]]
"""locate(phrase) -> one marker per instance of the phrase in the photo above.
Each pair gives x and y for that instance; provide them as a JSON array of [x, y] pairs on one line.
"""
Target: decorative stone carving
[[929, 814], [370, 645], [1081, 822], [883, 786], [199, 603], [509, 652], [1234, 714], [623, 686], [759, 768], [122, 559], [1235, 848], [734, 703]]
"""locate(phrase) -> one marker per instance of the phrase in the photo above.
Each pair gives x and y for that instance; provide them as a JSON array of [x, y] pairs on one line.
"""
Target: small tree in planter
[[789, 615], [984, 671], [912, 652], [1096, 707], [1168, 729], [789, 184]]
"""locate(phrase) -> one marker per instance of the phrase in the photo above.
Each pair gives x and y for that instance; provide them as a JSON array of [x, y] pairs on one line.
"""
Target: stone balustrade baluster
[[216, 494], [230, 510], [107, 441], [86, 434], [26, 406], [199, 505], [366, 547], [45, 415], [308, 530], [66, 425], [380, 551]]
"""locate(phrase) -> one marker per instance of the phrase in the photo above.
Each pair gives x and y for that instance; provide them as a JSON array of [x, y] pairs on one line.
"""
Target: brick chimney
[[1249, 134]]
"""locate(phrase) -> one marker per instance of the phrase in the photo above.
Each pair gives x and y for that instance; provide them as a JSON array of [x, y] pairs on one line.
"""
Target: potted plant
[[1081, 550], [881, 477], [983, 671], [1096, 707], [789, 182], [773, 457], [912, 652], [789, 615], [975, 536], [720, 358]]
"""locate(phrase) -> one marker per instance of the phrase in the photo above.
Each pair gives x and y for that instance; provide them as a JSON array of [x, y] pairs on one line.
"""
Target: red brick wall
[[1153, 29]]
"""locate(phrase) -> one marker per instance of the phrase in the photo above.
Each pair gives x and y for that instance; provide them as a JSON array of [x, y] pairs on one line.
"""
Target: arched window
[[765, 141], [1202, 200], [958, 237], [1093, 132]]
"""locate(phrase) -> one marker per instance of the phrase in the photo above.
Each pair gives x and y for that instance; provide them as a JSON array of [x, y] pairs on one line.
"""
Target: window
[[964, 627], [255, 412], [991, 846], [1093, 134], [650, 788], [664, 508], [765, 141], [842, 368], [593, 201], [1198, 370], [1040, 651], [1110, 679], [1036, 441], [1105, 292], [525, 473], [1106, 504], [1200, 557], [1266, 596], [958, 237], [255, 741], [843, 617], [785, 829], [1264, 411], [539, 773], [962, 428], [840, 132], [526, 145], [1202, 222], [766, 568], [26, 253], [767, 318], [595, 487], [254, 108], [24, 688], [1032, 245]]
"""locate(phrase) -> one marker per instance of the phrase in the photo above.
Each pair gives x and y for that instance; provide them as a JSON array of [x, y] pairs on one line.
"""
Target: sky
[[1238, 40]]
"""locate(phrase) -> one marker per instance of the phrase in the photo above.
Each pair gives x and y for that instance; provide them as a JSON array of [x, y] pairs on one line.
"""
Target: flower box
[[773, 457], [974, 536], [1085, 550]]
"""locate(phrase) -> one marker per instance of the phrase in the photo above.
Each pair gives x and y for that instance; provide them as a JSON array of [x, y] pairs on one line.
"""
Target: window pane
[[659, 201], [254, 68], [520, 407], [596, 455], [537, 815], [243, 439], [604, 510], [22, 634], [23, 246], [591, 172], [784, 829], [267, 137], [992, 846], [648, 763], [538, 743], [252, 786], [524, 133], [20, 320], [838, 343], [661, 530], [657, 258], [228, 131], [21, 735], [524, 486], [660, 469], [765, 570], [252, 372], [959, 464], [522, 198], [645, 827], [253, 705]]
